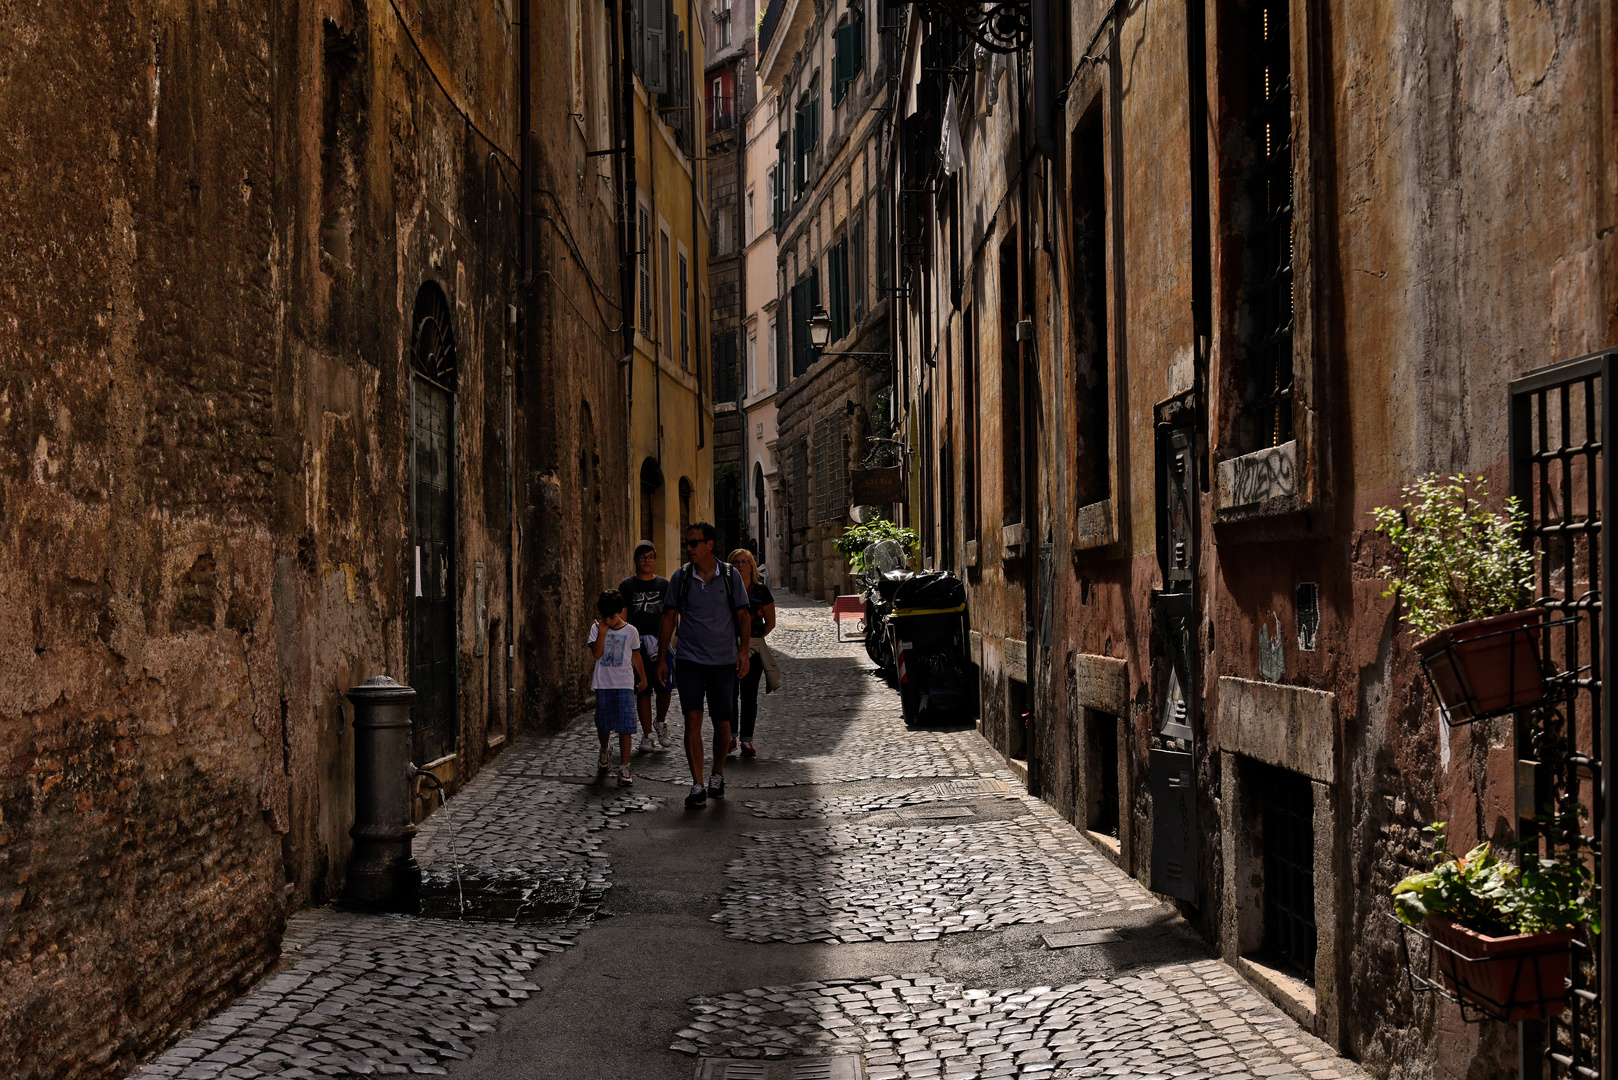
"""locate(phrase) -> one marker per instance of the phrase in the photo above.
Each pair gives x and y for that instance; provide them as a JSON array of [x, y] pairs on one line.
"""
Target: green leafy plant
[[1456, 560], [1485, 893], [859, 537]]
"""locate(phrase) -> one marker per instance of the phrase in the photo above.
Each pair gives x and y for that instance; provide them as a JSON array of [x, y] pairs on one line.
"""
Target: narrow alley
[[865, 892]]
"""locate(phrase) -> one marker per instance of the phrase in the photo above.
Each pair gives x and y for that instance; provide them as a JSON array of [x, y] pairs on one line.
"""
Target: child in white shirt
[[619, 674]]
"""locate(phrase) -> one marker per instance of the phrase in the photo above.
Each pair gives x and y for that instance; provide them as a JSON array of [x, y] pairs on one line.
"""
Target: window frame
[[1301, 461]]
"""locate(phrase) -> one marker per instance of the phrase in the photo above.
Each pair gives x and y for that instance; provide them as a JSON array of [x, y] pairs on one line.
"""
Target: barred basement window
[[830, 464], [1289, 869]]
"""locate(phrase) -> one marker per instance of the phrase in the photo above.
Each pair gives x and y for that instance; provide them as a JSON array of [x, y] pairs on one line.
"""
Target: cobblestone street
[[866, 890]]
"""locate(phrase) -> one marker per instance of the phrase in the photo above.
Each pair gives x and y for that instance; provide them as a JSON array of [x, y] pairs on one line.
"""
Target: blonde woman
[[761, 602]]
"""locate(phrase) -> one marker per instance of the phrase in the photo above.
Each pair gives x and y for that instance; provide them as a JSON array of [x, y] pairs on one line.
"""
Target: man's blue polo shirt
[[707, 633]]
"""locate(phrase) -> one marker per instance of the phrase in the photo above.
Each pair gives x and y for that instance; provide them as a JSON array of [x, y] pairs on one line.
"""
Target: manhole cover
[[983, 786], [827, 1068], [1082, 937], [925, 813]]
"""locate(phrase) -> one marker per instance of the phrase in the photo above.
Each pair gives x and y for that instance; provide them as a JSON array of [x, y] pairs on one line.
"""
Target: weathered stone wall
[[1453, 232], [213, 229]]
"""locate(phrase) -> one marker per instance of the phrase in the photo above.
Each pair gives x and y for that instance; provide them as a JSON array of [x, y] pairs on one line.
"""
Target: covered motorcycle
[[928, 629], [884, 572]]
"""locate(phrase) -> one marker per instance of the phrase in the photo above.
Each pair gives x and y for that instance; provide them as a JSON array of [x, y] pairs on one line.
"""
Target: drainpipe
[[696, 251], [524, 122], [623, 167]]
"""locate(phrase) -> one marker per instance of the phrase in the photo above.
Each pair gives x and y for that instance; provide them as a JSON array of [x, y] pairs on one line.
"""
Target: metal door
[[432, 640], [432, 502], [1172, 756]]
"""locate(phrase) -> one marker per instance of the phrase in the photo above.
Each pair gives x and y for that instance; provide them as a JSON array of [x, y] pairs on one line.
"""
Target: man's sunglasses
[[694, 543]]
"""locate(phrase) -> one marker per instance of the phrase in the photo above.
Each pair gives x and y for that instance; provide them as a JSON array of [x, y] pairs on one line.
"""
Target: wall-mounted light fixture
[[820, 337]]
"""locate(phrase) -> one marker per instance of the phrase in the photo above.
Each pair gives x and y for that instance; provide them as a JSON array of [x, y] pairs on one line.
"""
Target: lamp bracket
[[1004, 26]]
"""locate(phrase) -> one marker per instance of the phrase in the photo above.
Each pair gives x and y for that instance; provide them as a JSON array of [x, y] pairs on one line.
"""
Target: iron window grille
[[1289, 869], [1270, 392], [1558, 420], [830, 465]]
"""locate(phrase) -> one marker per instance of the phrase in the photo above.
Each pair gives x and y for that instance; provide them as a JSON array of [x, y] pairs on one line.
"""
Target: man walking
[[708, 601], [645, 590]]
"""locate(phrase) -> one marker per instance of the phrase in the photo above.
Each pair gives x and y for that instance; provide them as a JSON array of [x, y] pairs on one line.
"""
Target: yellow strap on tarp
[[903, 613]]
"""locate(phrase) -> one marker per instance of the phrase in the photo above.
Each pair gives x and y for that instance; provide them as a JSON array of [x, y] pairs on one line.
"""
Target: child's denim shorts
[[615, 712]]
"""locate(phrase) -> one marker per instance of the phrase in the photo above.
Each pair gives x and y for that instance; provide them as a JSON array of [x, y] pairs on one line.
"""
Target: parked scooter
[[928, 626], [885, 572]]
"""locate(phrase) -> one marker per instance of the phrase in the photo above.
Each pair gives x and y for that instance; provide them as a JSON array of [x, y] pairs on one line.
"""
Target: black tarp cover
[[931, 591]]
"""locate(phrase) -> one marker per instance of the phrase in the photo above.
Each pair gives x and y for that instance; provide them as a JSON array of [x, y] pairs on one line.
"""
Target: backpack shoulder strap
[[685, 588]]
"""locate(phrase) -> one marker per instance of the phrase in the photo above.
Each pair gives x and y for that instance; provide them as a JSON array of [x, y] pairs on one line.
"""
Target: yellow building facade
[[670, 389]]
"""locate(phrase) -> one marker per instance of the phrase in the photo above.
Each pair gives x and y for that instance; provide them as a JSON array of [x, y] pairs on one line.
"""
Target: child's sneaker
[[646, 743], [698, 796], [625, 778], [747, 749], [662, 730], [603, 764], [716, 786]]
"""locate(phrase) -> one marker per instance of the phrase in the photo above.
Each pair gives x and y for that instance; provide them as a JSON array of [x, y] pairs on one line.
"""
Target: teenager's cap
[[644, 545]]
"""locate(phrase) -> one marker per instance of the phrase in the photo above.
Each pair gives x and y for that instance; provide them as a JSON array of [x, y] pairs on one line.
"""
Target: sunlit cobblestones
[[1181, 1022]]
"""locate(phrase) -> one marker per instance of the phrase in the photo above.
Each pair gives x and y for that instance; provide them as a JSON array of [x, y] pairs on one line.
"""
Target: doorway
[[432, 499]]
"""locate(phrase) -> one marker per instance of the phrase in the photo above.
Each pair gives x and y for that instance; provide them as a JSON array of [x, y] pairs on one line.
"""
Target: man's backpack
[[685, 585]]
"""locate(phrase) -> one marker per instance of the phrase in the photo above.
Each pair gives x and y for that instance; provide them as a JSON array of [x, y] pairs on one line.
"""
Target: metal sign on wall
[[877, 487]]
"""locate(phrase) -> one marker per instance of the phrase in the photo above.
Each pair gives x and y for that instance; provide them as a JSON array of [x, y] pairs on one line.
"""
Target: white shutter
[[654, 47]]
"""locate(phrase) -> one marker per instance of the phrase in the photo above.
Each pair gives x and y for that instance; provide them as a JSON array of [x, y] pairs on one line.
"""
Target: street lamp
[[819, 328], [820, 337]]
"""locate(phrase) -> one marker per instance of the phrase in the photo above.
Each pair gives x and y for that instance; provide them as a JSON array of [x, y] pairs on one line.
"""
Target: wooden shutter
[[654, 47]]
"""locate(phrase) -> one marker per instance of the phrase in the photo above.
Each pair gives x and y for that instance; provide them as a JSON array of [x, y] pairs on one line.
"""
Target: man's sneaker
[[716, 786], [747, 749], [625, 777], [698, 796], [646, 743], [662, 730]]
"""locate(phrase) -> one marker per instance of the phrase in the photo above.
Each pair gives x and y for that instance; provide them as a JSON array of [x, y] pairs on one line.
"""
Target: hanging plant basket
[[1489, 667], [1510, 978]]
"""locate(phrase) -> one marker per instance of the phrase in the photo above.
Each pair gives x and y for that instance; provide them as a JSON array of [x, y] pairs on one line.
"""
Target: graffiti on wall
[[1263, 476]]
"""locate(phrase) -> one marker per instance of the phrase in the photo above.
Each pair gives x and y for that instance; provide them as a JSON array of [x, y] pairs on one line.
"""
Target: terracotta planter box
[[1486, 666], [1517, 977]]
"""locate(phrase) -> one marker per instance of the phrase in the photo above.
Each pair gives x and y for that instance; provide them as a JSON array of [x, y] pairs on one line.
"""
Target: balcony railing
[[766, 30], [720, 115]]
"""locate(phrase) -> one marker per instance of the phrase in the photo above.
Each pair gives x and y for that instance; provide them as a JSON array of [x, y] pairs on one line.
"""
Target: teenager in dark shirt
[[645, 591], [761, 602]]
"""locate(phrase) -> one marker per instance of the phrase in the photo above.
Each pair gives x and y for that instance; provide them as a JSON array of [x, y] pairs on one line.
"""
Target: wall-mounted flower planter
[[1488, 667], [1511, 978]]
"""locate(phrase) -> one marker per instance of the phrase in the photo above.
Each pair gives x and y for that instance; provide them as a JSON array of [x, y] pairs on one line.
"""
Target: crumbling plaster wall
[[204, 518]]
